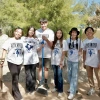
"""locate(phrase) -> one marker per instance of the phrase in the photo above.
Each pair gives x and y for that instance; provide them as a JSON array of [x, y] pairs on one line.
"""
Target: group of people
[[27, 50]]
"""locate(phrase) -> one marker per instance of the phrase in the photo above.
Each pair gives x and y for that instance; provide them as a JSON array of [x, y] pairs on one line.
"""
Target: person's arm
[[84, 58], [62, 58], [48, 42], [2, 59], [99, 59]]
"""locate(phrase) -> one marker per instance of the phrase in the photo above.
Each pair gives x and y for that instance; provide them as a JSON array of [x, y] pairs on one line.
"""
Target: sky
[[96, 1], [90, 1]]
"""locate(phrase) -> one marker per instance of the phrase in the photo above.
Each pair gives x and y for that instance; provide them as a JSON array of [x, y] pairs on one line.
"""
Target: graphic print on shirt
[[18, 52], [56, 51], [91, 47], [91, 52], [29, 47], [18, 48], [71, 52]]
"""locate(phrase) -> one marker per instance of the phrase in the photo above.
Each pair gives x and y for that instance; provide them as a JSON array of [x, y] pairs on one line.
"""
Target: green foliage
[[61, 14]]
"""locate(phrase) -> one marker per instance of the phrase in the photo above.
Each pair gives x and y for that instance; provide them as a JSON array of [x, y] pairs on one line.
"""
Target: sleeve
[[5, 45], [65, 45], [51, 36]]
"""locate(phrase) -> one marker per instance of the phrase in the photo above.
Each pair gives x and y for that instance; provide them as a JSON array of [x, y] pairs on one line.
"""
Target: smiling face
[[89, 33], [18, 33], [31, 32], [44, 25], [59, 34], [73, 34]]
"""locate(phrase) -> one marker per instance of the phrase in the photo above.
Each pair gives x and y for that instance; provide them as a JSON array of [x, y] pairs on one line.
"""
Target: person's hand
[[42, 45], [61, 65], [79, 53], [44, 38], [1, 63]]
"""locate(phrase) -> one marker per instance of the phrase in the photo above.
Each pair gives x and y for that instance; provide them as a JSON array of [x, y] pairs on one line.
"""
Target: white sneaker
[[54, 90], [71, 96], [60, 94], [91, 91]]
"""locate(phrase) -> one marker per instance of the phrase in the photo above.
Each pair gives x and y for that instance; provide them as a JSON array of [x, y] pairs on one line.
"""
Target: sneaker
[[54, 90], [60, 94], [46, 86], [91, 91], [71, 96]]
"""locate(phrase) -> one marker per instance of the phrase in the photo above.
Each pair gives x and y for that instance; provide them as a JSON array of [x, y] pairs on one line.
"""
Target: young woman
[[31, 59], [91, 58], [59, 45], [13, 47], [74, 50]]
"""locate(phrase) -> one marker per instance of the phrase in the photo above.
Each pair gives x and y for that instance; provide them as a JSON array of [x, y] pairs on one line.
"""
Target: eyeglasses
[[42, 23]]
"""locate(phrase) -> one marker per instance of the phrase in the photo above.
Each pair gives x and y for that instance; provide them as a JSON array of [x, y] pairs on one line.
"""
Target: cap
[[74, 29]]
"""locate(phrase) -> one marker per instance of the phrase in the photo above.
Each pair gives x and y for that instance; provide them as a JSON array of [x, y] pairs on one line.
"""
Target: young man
[[91, 58], [46, 34]]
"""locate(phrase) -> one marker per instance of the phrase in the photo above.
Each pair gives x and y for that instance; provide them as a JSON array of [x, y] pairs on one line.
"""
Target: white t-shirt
[[57, 52], [73, 52], [3, 38], [30, 50], [50, 35], [15, 50], [91, 47]]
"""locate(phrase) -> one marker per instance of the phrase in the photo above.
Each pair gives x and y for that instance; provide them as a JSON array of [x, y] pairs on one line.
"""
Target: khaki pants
[[90, 76]]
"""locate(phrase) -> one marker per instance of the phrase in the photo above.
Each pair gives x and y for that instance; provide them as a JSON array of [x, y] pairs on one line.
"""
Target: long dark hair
[[28, 31], [55, 39], [71, 45]]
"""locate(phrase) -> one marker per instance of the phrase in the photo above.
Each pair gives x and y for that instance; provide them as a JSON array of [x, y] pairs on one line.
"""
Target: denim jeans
[[58, 79], [73, 75]]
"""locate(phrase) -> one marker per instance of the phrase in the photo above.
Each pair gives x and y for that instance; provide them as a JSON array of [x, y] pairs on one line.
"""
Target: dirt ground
[[82, 87]]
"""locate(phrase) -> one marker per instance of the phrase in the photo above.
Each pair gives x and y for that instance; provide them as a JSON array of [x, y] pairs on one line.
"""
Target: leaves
[[63, 14]]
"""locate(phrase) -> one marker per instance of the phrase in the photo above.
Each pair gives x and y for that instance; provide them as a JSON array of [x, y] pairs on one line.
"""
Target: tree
[[63, 14], [95, 20]]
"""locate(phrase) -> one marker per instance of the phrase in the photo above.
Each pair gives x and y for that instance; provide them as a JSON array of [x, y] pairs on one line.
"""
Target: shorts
[[46, 62]]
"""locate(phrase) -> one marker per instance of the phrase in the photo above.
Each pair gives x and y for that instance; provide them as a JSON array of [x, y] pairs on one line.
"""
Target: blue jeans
[[73, 75], [58, 79]]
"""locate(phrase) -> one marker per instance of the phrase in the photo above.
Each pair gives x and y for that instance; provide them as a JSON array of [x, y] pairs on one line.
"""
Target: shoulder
[[36, 39], [97, 39], [68, 40], [49, 30], [9, 40], [85, 41], [39, 30], [23, 37]]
